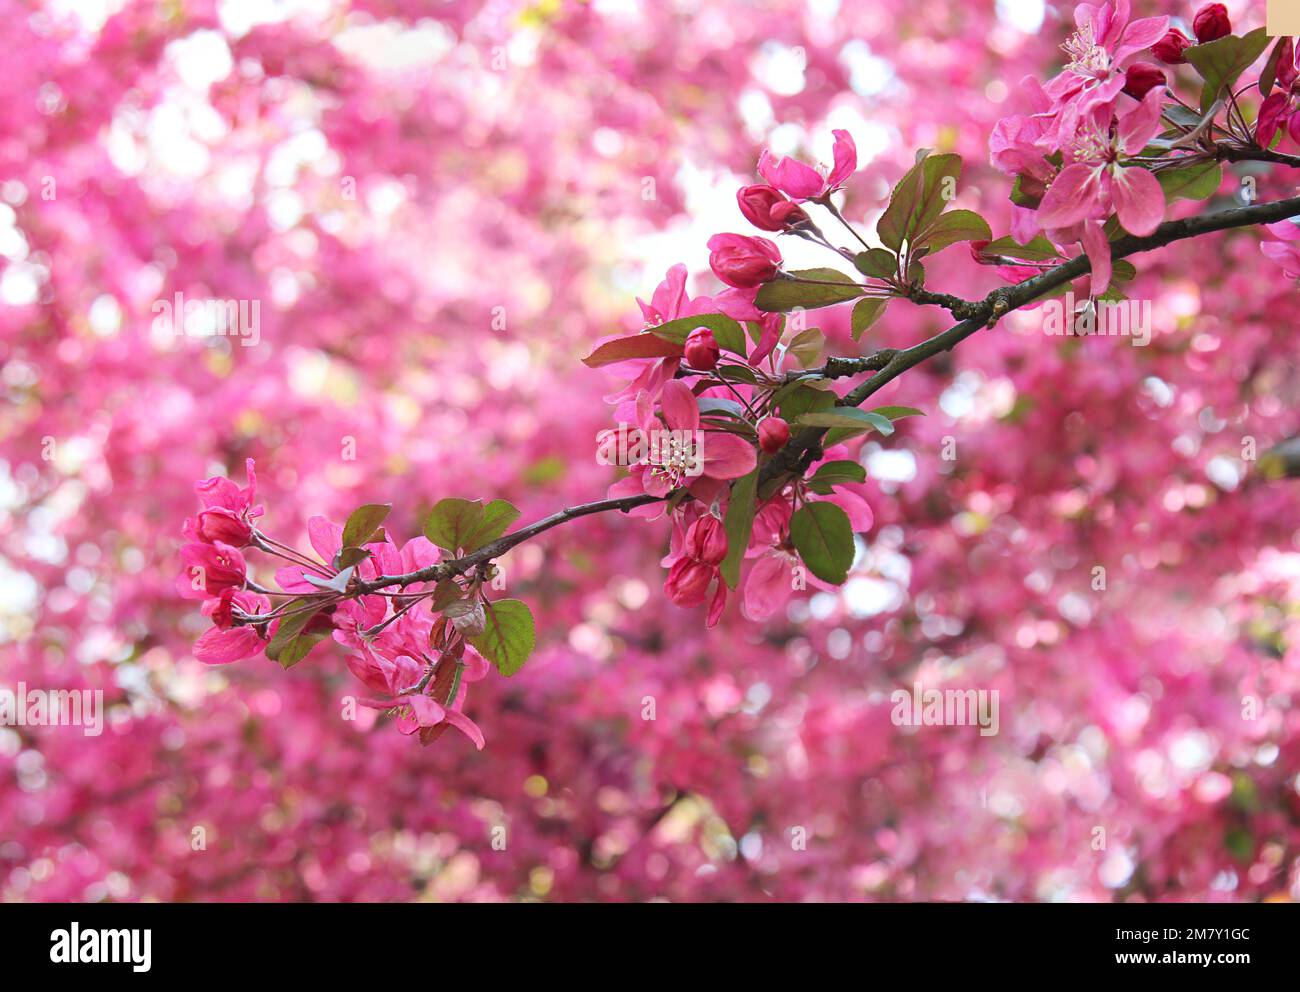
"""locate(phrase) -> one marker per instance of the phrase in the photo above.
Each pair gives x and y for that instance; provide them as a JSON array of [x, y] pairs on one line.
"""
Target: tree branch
[[459, 566], [887, 364], [1002, 301]]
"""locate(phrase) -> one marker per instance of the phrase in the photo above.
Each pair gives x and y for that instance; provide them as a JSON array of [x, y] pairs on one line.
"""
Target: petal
[[791, 177], [221, 647], [727, 456], [1097, 248], [1138, 199], [1142, 123], [681, 412], [326, 537], [767, 587], [1072, 197], [855, 506], [846, 159], [466, 726], [718, 604], [1141, 34], [1271, 113]]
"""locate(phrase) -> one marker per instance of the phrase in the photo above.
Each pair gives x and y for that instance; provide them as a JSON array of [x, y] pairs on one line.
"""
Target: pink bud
[[773, 433], [688, 582], [767, 208], [1211, 23], [1141, 79], [706, 540], [1169, 49], [742, 262], [702, 349], [219, 524]]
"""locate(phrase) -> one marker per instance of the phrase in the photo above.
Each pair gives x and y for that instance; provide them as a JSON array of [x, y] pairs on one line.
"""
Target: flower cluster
[[712, 383], [408, 648]]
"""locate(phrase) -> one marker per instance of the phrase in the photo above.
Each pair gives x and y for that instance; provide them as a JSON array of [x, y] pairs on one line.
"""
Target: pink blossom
[[742, 261], [224, 642], [803, 182], [1088, 191]]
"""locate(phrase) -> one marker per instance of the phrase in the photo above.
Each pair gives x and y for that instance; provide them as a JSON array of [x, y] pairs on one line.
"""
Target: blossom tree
[[1095, 533]]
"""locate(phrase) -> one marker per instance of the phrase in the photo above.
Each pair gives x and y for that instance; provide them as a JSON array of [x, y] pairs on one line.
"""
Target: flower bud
[[222, 525], [706, 540], [1169, 49], [742, 262], [773, 433], [688, 582], [1141, 79], [767, 208], [701, 349], [1211, 23]]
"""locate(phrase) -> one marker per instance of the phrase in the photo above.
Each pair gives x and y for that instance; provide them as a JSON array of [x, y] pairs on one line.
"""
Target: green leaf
[[445, 593], [823, 536], [865, 313], [453, 522], [831, 286], [848, 417], [1268, 75], [833, 473], [495, 518], [918, 199], [807, 346], [958, 225], [634, 346], [737, 373], [739, 524], [798, 398], [1038, 250], [898, 412], [290, 645], [726, 331], [1221, 61], [1022, 197], [877, 263], [363, 522], [1123, 270], [346, 556], [509, 636], [1192, 182]]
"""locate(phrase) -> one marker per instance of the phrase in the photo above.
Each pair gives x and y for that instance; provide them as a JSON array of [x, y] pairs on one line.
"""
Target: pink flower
[[1097, 184], [668, 302], [701, 349], [209, 569], [767, 208], [227, 512], [773, 433], [688, 581], [1211, 23], [769, 584], [418, 711], [741, 261], [1141, 78], [803, 182], [1170, 48], [681, 454], [1285, 252], [1281, 108], [223, 642], [1098, 51]]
